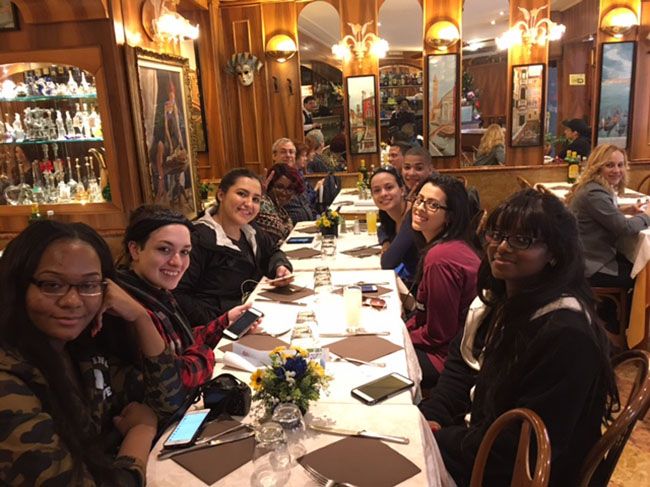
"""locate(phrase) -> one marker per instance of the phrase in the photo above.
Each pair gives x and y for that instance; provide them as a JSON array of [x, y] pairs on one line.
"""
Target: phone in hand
[[300, 240], [288, 277], [369, 288], [382, 388], [243, 324], [187, 429]]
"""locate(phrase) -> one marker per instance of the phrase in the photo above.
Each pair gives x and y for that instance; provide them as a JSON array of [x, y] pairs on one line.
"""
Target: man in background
[[309, 107]]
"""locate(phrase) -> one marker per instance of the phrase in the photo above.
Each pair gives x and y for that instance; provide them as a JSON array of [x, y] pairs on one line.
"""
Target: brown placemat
[[302, 253], [363, 252], [380, 290], [287, 293], [366, 348], [349, 191], [257, 342], [214, 463], [363, 462], [309, 229]]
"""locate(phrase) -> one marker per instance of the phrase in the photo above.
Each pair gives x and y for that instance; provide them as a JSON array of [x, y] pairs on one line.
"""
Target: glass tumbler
[[288, 416], [322, 278], [328, 246], [352, 305], [271, 457]]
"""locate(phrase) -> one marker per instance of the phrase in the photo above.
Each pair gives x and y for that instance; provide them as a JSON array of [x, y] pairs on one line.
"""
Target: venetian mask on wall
[[244, 65]]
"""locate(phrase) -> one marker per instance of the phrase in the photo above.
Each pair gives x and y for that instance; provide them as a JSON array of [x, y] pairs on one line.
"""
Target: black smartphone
[[369, 288], [300, 240], [187, 429], [243, 324], [382, 388]]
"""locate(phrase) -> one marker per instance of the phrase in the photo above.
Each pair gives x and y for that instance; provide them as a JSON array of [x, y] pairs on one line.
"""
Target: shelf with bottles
[[57, 141], [35, 98]]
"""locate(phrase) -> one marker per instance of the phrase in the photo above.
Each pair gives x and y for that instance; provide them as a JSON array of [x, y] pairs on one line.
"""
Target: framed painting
[[190, 50], [527, 122], [442, 104], [161, 101], [615, 98], [8, 16], [362, 114]]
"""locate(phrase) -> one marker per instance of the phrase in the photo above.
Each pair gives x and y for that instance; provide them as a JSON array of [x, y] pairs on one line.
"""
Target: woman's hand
[[238, 311], [633, 209], [135, 414], [118, 302], [280, 272]]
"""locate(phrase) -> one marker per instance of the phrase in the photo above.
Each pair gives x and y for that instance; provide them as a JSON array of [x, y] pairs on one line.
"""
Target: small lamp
[[442, 35], [281, 48], [619, 21]]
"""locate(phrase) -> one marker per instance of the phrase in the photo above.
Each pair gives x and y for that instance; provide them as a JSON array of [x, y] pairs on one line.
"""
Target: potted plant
[[328, 222], [204, 190]]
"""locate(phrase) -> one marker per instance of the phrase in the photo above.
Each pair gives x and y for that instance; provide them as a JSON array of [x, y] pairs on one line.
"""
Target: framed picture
[[189, 50], [160, 98], [362, 114], [616, 88], [527, 123], [442, 97], [8, 16]]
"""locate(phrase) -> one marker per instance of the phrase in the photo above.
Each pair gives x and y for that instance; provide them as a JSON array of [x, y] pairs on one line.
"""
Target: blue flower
[[279, 372], [296, 364]]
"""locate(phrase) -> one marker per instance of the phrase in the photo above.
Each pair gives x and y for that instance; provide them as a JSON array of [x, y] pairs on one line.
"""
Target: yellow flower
[[278, 350], [335, 214], [317, 368], [256, 379], [301, 351], [327, 223]]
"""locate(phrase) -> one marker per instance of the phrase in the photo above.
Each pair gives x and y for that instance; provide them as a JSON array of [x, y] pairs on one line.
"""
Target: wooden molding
[[52, 11]]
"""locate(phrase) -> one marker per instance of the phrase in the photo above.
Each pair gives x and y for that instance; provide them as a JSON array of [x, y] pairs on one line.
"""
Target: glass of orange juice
[[371, 219]]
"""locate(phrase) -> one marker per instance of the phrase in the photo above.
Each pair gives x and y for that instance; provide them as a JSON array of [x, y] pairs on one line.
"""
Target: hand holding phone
[[282, 281], [243, 324], [187, 429]]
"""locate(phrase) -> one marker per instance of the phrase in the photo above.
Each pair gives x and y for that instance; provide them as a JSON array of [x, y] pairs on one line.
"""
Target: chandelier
[[359, 43], [531, 30]]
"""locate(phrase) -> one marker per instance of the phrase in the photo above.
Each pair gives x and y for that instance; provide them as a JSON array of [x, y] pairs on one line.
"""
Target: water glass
[[288, 416], [328, 246], [352, 305], [371, 219], [271, 457], [322, 278]]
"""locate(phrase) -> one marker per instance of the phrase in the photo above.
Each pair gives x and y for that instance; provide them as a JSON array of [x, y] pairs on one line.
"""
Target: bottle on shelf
[[363, 170], [35, 214], [573, 168]]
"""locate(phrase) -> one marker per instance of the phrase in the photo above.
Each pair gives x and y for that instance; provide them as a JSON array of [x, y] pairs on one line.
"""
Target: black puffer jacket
[[216, 278]]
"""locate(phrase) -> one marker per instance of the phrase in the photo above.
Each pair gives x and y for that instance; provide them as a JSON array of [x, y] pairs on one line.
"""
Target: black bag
[[226, 394]]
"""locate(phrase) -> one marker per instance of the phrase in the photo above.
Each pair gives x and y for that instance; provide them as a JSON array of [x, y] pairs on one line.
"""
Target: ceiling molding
[[53, 11]]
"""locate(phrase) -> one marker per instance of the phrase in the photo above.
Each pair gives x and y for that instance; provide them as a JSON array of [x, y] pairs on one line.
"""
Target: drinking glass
[[271, 457], [328, 246], [288, 416], [322, 278], [352, 305], [371, 219]]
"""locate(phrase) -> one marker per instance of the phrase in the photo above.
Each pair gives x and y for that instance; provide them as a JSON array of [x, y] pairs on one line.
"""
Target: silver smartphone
[[382, 388], [187, 429], [242, 324]]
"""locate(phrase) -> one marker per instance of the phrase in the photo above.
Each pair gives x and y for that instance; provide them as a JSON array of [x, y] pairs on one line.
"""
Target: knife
[[360, 334], [163, 455], [363, 433]]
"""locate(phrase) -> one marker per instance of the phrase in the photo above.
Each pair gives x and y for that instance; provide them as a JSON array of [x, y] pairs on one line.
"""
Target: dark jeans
[[606, 309], [430, 374]]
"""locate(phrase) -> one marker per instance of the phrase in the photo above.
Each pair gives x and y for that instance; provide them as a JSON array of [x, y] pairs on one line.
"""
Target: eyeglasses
[[284, 189], [517, 242], [429, 205], [55, 288]]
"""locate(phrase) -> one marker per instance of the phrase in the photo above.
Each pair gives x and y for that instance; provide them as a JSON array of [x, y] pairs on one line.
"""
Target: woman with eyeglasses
[[531, 340], [273, 218], [446, 275], [75, 410], [229, 257], [395, 233], [156, 254]]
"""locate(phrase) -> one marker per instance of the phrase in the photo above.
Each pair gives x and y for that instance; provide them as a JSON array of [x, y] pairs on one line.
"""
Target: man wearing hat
[[579, 136]]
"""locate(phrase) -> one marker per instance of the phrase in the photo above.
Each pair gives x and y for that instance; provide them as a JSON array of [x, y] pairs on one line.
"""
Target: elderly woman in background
[[273, 218], [491, 150], [316, 161]]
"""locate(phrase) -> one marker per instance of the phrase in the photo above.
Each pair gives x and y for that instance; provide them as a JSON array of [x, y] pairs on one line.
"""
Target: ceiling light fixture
[[163, 23], [619, 21], [531, 31], [442, 35], [360, 43], [281, 48]]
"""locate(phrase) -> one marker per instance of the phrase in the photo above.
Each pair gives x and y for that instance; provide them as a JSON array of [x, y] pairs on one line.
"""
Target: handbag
[[226, 394]]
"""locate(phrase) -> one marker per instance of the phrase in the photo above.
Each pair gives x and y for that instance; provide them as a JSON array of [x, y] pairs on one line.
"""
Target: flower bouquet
[[291, 378], [328, 222]]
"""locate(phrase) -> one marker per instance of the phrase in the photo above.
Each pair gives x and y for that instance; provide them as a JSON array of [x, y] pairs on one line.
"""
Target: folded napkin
[[363, 462], [369, 202], [302, 253], [309, 229], [366, 348], [380, 290], [287, 293], [360, 253], [214, 463], [344, 203]]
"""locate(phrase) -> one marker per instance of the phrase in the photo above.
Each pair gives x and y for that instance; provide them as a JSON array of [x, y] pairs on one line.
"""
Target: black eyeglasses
[[517, 242], [429, 205], [56, 288]]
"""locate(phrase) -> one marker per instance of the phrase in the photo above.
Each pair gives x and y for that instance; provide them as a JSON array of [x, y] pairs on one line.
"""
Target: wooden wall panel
[[575, 101], [491, 80], [49, 11]]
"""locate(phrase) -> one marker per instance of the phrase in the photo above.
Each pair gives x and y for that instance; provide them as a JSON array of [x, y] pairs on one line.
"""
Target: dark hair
[[301, 148], [545, 217], [402, 146], [145, 220], [308, 99], [291, 173], [399, 136], [17, 266], [388, 170], [420, 152], [234, 175]]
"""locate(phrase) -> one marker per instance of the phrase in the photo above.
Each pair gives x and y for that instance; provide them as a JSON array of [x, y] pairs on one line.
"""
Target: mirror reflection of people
[[309, 108], [578, 134], [403, 116], [491, 150], [396, 153]]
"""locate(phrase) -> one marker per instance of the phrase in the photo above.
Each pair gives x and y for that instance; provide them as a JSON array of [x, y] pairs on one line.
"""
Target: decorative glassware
[[271, 457]]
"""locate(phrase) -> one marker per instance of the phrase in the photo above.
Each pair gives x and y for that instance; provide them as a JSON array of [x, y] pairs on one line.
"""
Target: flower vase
[[331, 230]]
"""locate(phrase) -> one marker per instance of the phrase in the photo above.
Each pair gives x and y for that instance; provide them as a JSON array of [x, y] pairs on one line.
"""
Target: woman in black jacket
[[531, 341], [229, 257]]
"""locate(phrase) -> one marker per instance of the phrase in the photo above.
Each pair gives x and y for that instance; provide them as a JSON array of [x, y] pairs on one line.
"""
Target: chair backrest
[[604, 455], [521, 476], [643, 181], [523, 183]]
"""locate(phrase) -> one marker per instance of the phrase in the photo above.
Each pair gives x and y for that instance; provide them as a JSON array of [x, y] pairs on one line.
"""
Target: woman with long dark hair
[[229, 257], [446, 276], [66, 396], [531, 340]]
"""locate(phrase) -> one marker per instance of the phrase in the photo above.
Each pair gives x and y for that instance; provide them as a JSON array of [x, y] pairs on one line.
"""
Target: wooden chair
[[523, 183], [603, 457], [521, 476], [639, 188], [543, 189], [618, 295]]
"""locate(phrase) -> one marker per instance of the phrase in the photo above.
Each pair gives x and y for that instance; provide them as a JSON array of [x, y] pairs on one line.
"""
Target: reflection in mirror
[[321, 77], [400, 73]]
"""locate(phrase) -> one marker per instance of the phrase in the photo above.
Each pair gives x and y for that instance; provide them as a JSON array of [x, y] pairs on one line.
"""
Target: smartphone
[[243, 324], [369, 288], [187, 429], [377, 303], [280, 279], [300, 240], [382, 388]]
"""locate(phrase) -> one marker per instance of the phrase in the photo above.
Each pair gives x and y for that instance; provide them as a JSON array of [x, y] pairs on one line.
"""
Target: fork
[[322, 480]]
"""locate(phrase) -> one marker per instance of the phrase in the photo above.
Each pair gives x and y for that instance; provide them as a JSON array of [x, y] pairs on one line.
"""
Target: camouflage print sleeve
[[32, 453]]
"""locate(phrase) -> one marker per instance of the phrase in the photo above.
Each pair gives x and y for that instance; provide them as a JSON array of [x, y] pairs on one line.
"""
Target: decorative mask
[[244, 65]]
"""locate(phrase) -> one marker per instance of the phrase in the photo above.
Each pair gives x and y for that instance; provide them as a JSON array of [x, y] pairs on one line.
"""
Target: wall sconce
[[531, 31], [163, 23], [359, 43], [442, 35], [619, 21], [281, 48]]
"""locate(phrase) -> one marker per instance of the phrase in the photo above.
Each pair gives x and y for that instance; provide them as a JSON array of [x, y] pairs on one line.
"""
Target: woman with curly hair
[[273, 218], [491, 150]]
